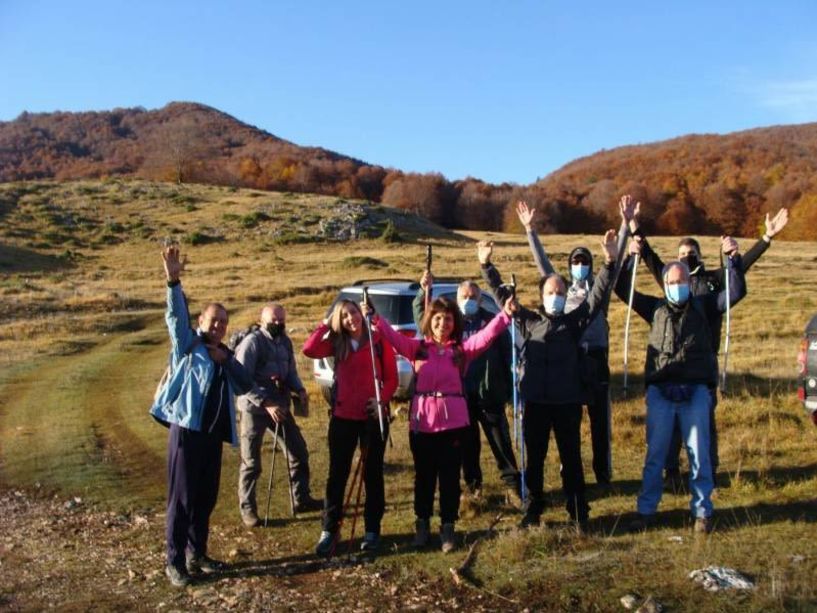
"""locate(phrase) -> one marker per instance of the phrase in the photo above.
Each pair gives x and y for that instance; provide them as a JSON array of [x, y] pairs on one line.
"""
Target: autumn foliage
[[700, 184]]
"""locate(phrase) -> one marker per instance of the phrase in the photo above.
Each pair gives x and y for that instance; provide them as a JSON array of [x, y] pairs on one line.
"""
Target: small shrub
[[359, 261], [200, 238], [231, 217], [251, 220], [390, 234]]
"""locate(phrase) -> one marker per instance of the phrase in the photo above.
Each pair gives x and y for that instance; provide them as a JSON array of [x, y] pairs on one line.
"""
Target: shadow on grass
[[737, 385], [17, 259]]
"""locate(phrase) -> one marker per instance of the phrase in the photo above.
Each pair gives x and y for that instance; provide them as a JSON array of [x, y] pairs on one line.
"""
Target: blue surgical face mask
[[469, 307], [579, 271], [677, 293], [554, 304]]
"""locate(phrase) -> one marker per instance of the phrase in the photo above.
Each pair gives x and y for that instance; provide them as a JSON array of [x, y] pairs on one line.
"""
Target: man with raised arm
[[702, 282], [680, 370], [196, 401], [594, 342], [551, 383]]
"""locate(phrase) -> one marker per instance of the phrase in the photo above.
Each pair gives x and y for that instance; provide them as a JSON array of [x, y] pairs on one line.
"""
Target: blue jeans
[[693, 419]]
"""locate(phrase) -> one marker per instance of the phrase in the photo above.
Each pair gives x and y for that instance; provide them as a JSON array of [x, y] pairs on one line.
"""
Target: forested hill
[[693, 184]]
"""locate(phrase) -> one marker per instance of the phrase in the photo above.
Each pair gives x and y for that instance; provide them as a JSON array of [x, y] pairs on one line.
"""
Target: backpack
[[239, 335]]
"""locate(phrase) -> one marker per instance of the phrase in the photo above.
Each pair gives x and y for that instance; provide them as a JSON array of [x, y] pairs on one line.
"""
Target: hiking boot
[[447, 538], [308, 504], [513, 499], [641, 523], [325, 543], [529, 520], [250, 519], [371, 542], [420, 533], [703, 525], [197, 564], [178, 576]]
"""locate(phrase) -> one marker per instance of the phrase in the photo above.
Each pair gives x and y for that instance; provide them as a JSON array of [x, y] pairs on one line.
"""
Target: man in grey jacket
[[267, 353]]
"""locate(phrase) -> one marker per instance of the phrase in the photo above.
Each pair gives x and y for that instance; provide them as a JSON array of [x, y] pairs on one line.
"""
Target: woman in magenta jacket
[[439, 414], [345, 336]]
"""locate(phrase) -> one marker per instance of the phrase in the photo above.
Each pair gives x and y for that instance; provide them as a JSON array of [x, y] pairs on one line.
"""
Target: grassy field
[[82, 344]]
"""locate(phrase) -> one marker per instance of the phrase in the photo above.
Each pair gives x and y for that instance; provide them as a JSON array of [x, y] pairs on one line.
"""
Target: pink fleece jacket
[[438, 403]]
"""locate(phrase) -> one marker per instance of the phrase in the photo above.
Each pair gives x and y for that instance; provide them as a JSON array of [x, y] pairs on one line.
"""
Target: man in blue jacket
[[196, 401]]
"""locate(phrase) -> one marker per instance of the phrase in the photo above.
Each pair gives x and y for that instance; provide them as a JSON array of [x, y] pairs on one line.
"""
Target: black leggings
[[437, 456]]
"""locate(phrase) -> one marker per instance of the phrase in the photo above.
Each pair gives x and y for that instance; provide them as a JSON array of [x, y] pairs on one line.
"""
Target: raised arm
[[319, 345], [643, 304], [389, 373], [176, 316], [773, 226], [737, 284], [540, 258], [651, 259], [418, 305], [407, 347]]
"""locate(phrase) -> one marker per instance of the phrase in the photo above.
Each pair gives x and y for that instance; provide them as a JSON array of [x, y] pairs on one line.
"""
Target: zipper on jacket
[[218, 410]]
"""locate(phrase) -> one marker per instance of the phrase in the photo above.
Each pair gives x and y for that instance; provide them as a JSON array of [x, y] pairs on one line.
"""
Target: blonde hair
[[341, 341]]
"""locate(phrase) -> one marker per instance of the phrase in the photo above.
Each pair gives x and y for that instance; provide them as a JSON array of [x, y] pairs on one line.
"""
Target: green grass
[[82, 344]]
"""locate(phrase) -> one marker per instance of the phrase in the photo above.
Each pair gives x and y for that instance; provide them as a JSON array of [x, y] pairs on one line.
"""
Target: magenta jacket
[[438, 403]]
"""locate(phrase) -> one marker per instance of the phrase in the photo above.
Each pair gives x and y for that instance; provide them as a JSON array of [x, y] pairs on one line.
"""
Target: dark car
[[807, 361]]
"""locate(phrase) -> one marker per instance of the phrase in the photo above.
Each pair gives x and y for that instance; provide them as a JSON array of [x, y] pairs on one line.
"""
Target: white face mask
[[554, 304]]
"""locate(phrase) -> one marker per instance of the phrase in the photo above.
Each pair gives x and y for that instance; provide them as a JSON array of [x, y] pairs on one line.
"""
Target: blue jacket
[[181, 401]]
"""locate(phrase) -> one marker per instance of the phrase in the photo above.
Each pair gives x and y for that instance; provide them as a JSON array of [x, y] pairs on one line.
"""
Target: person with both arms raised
[[680, 370], [551, 383], [701, 282], [594, 341]]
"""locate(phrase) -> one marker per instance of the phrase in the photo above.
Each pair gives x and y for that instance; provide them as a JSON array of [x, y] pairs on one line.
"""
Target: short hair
[[674, 264], [468, 284], [443, 305], [214, 305], [544, 280], [688, 241]]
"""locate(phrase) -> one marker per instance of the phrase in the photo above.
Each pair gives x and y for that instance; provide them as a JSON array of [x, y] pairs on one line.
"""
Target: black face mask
[[275, 329], [691, 261]]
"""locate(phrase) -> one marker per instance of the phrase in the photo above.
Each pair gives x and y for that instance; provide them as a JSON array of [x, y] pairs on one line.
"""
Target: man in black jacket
[[702, 282], [680, 369], [551, 383]]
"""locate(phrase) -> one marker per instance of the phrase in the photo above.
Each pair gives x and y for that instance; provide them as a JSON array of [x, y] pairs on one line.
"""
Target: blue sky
[[499, 90]]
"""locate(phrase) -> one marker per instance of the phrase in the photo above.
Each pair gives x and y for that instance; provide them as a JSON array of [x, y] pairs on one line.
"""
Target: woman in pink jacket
[[439, 414], [346, 337]]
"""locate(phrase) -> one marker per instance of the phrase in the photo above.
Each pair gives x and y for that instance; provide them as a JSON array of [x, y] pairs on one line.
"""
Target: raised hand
[[629, 209], [426, 280], [609, 245], [635, 245], [485, 250], [511, 306], [525, 214], [729, 245], [174, 266], [777, 223]]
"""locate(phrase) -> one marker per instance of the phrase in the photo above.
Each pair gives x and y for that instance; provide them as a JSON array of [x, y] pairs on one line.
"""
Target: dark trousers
[[565, 421], [673, 461], [344, 436], [598, 410], [495, 425], [193, 474], [437, 457]]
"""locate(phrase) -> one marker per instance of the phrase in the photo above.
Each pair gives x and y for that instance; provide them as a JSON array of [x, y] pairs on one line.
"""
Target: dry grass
[[82, 344]]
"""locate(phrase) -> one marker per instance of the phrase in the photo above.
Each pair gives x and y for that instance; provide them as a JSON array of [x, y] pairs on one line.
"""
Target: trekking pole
[[355, 475], [362, 462], [728, 324], [289, 471], [428, 269], [374, 368], [627, 323], [271, 471], [518, 421]]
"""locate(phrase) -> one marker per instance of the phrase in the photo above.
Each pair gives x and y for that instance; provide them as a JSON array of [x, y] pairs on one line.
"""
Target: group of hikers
[[550, 360]]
